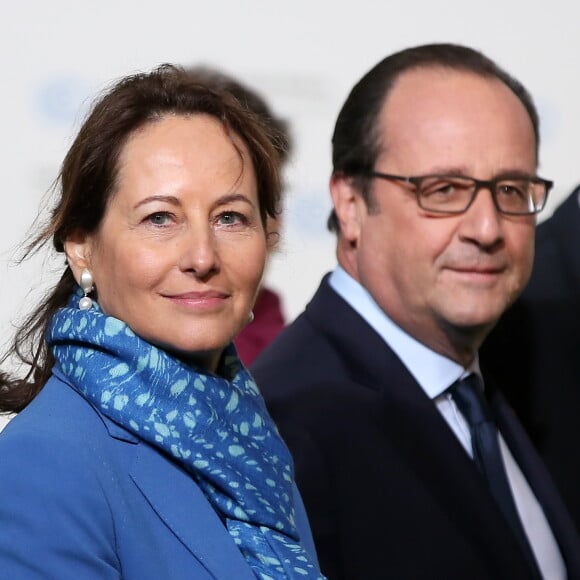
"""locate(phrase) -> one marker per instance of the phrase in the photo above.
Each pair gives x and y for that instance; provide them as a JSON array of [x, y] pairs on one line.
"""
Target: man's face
[[445, 276]]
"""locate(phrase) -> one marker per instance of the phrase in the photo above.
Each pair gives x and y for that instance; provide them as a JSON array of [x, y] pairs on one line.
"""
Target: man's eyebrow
[[461, 171], [513, 174]]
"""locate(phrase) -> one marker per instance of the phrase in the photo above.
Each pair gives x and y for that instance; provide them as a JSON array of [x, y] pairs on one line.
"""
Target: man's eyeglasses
[[454, 194]]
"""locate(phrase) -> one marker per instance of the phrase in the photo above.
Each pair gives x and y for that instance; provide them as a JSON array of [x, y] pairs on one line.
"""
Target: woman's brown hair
[[87, 180]]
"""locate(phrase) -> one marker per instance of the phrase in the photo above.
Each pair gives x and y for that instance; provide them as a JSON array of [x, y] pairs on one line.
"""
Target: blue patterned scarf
[[216, 427]]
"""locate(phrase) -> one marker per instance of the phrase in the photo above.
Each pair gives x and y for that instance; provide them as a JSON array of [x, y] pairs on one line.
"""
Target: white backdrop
[[303, 55]]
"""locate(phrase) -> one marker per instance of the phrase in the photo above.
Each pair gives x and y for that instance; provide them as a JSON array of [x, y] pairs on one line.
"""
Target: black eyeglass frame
[[490, 184]]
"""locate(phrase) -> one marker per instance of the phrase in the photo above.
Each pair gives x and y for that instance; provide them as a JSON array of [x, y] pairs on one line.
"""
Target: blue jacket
[[80, 497]]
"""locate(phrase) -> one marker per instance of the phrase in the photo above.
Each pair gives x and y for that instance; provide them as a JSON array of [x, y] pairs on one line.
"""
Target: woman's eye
[[160, 218], [231, 218]]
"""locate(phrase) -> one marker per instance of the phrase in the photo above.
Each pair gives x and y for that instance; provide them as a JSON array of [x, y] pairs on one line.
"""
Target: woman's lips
[[206, 299]]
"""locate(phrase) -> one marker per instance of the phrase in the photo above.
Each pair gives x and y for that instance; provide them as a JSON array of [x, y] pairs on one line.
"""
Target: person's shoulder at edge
[[58, 415], [268, 322], [285, 366]]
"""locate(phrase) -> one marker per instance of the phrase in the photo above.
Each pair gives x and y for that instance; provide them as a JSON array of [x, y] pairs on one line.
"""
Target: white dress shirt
[[435, 374]]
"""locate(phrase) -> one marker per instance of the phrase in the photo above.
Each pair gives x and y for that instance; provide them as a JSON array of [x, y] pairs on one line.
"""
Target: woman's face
[[181, 248]]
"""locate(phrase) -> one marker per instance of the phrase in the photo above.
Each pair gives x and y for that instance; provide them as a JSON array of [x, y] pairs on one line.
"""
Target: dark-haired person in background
[[268, 317], [535, 350], [410, 462], [142, 449]]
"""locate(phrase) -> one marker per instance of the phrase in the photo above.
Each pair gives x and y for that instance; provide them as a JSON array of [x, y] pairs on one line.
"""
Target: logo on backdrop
[[62, 100]]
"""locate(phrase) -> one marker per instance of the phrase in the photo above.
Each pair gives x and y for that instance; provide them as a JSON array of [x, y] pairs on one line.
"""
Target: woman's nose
[[198, 252]]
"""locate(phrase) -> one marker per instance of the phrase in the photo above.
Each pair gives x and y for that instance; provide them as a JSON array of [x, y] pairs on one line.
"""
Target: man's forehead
[[449, 117], [443, 85], [439, 96]]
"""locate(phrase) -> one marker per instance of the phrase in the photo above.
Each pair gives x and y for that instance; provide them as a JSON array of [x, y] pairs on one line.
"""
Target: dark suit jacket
[[535, 351], [389, 490]]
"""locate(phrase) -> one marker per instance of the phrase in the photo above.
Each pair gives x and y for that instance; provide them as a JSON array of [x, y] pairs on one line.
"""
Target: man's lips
[[477, 274], [477, 269]]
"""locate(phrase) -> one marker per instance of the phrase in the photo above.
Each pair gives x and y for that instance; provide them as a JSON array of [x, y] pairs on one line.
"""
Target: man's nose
[[482, 223]]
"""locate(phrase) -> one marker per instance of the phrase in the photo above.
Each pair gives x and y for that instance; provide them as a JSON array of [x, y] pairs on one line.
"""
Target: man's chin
[[476, 324]]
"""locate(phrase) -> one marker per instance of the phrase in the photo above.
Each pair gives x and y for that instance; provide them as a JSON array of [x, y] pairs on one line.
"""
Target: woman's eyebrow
[[171, 199], [231, 197]]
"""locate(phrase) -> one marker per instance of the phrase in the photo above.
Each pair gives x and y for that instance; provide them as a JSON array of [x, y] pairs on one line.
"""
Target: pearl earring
[[250, 317], [87, 286]]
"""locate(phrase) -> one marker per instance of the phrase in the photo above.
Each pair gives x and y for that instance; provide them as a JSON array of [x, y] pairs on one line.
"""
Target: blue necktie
[[468, 396]]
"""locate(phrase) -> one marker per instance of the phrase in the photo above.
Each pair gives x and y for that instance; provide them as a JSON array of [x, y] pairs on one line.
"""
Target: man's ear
[[348, 206], [78, 253]]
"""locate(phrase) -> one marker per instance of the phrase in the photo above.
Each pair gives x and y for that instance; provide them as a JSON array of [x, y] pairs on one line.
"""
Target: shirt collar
[[434, 372]]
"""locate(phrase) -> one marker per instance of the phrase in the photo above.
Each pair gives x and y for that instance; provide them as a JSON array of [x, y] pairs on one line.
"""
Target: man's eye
[[508, 189], [440, 188]]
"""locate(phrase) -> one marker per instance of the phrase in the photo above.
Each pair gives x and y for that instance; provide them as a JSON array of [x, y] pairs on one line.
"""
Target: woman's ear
[[273, 226], [78, 252]]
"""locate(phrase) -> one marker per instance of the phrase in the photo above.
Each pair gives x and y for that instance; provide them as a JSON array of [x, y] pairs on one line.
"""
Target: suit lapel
[[447, 474], [181, 505]]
